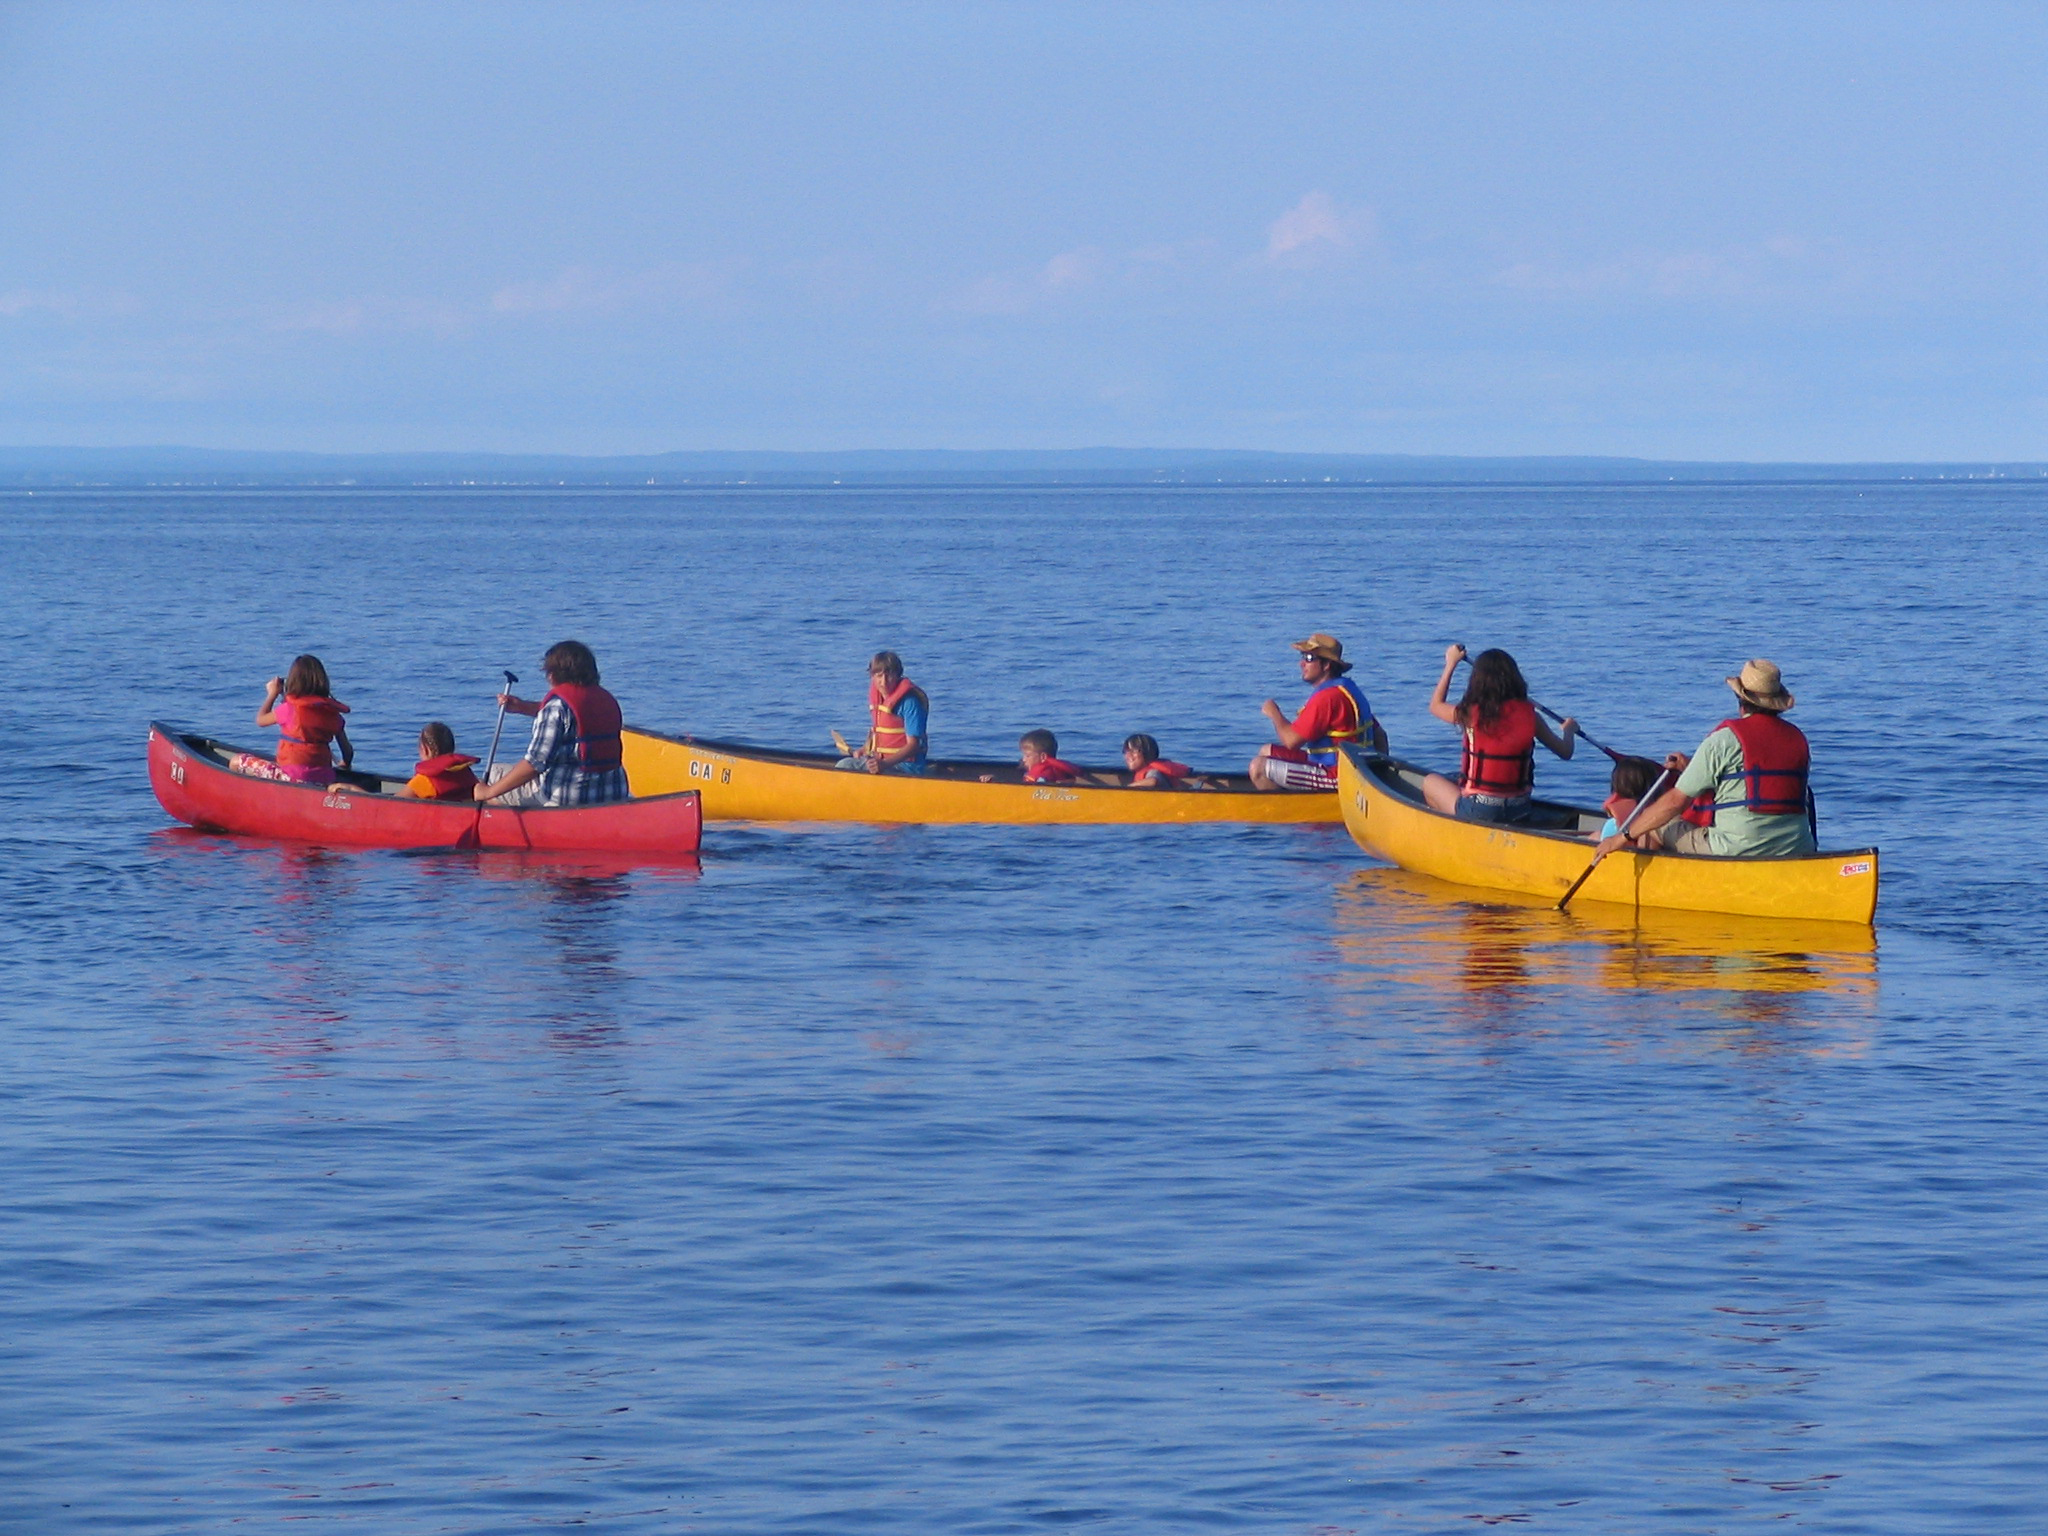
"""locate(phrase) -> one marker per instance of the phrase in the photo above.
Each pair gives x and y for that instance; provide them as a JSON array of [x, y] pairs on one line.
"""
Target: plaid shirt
[[553, 755]]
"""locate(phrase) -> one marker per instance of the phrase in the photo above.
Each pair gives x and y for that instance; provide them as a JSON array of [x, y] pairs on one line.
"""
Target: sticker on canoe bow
[[334, 802], [1857, 869], [1054, 794], [177, 771]]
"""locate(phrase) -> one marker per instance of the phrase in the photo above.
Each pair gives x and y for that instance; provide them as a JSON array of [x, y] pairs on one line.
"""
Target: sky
[[1711, 231]]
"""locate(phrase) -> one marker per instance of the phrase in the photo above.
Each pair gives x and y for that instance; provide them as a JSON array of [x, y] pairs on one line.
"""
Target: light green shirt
[[1736, 832]]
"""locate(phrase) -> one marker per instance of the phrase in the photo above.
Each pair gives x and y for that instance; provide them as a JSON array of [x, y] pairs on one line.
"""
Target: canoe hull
[[750, 784], [202, 792], [1834, 887]]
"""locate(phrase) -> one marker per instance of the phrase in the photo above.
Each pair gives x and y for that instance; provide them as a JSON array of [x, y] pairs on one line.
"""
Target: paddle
[[839, 741], [492, 761], [1655, 790]]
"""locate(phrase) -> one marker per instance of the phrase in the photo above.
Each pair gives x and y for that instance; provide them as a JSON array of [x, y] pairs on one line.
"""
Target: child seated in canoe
[[302, 705], [1151, 771], [1038, 752], [1630, 781], [442, 773]]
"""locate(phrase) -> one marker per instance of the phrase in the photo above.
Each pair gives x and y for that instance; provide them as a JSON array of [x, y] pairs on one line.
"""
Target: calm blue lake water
[[986, 1180]]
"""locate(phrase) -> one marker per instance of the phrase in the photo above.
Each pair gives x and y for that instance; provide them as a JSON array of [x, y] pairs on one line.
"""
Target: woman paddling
[[1497, 774]]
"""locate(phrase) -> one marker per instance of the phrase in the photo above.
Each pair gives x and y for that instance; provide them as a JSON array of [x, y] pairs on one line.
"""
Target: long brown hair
[[307, 678], [1495, 681]]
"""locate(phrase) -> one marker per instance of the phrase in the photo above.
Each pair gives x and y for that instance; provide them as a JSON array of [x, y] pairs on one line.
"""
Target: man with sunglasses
[[1305, 757]]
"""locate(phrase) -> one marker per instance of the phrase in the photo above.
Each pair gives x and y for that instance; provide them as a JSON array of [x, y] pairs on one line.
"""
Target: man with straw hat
[[1305, 757], [1744, 793]]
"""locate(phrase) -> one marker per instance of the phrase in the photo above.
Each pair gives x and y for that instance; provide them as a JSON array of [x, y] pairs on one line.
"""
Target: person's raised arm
[[1440, 703], [514, 705], [1564, 743], [1282, 729], [266, 711]]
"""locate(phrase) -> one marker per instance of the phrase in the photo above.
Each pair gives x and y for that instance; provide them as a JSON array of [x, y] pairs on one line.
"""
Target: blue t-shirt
[[914, 716]]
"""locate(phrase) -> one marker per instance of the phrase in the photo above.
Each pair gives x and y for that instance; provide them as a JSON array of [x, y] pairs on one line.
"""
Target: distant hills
[[56, 468]]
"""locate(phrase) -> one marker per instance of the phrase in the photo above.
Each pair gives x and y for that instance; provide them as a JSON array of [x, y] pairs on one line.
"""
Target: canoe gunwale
[[1234, 783]]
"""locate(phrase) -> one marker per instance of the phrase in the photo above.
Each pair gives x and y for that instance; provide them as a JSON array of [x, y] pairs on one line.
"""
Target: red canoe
[[193, 781]]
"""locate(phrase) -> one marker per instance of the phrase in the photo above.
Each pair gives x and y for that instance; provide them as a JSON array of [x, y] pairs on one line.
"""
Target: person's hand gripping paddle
[[1653, 792]]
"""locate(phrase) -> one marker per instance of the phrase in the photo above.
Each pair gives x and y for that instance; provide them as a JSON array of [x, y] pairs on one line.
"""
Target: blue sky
[[1778, 231]]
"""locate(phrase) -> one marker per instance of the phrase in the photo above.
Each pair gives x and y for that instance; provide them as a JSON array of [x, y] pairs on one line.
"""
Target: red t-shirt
[[1328, 709]]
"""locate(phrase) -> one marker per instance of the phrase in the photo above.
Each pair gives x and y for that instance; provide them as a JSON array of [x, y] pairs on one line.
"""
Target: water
[[1007, 1180]]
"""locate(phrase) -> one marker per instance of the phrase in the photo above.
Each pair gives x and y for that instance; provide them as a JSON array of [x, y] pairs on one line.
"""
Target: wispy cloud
[[1317, 231], [356, 317], [1760, 270], [593, 291], [1087, 272], [66, 303]]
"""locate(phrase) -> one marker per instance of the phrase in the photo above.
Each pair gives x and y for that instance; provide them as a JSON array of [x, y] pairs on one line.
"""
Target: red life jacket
[[1173, 773], [316, 721], [887, 733], [1052, 771], [1501, 762], [598, 721], [1618, 808], [449, 774], [1773, 776]]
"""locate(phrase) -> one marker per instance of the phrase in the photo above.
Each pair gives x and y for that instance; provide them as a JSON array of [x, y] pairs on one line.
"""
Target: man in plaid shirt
[[573, 758]]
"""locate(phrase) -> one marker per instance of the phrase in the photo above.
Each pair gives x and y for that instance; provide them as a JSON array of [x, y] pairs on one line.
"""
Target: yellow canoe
[[742, 783], [1381, 801]]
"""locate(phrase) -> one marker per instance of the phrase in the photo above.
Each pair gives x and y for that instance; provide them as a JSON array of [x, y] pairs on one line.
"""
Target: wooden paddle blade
[[839, 741]]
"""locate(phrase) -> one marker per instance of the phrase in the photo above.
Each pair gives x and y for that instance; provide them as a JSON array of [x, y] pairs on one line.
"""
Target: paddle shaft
[[1655, 790], [492, 761]]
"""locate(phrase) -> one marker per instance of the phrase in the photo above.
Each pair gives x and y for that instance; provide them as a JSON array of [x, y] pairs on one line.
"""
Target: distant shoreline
[[216, 469]]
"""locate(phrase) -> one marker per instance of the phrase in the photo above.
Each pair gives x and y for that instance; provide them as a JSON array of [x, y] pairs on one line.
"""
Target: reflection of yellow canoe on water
[[741, 783], [1381, 801], [1459, 940]]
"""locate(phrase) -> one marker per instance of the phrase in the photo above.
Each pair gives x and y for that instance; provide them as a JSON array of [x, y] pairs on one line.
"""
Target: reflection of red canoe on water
[[192, 779]]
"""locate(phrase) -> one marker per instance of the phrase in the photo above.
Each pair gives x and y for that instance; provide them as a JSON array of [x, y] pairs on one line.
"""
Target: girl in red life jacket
[[1148, 769], [302, 705], [442, 773], [1497, 777], [1038, 751]]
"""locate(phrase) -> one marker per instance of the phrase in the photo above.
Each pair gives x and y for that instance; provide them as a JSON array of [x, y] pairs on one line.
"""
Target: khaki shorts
[[1681, 836]]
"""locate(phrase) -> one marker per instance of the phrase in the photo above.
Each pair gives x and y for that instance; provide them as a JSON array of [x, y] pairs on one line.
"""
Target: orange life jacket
[[316, 721], [1774, 774], [449, 774], [1173, 773], [1501, 762], [598, 723], [887, 733]]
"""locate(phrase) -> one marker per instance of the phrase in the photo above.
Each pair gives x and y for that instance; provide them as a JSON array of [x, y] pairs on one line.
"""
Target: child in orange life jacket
[[1148, 769], [1630, 781], [1038, 751], [442, 773], [302, 705]]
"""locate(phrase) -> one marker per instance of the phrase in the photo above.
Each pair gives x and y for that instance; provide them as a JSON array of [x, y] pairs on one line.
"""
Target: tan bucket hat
[[1328, 647], [1761, 685]]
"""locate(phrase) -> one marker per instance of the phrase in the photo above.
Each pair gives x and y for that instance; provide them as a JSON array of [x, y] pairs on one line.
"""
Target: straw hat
[[1326, 648], [1761, 686]]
